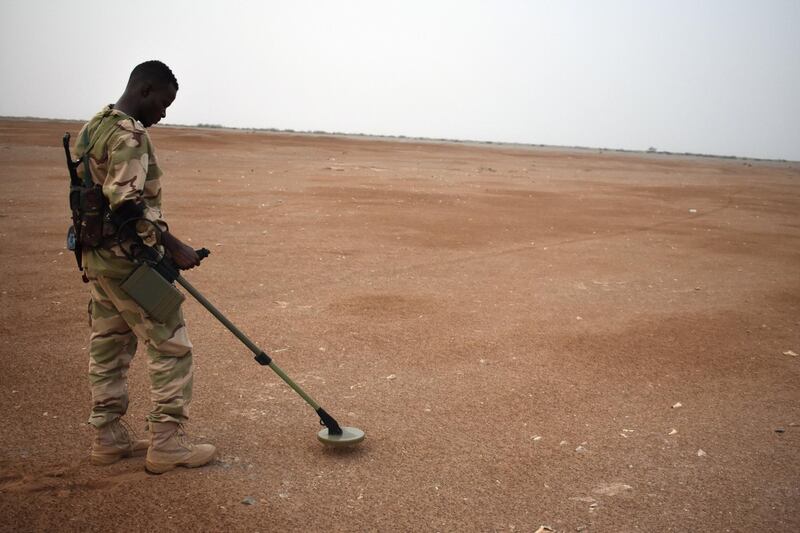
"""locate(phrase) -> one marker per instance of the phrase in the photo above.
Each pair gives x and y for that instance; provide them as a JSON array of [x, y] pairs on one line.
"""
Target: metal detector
[[144, 287]]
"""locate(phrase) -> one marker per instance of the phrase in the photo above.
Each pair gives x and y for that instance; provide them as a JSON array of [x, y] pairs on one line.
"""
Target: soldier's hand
[[183, 256]]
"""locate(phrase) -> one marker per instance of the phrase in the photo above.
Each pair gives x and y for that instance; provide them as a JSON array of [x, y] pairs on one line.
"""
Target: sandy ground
[[514, 329]]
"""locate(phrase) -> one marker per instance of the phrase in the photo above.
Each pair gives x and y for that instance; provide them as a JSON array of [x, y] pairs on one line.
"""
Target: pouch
[[92, 204], [158, 297]]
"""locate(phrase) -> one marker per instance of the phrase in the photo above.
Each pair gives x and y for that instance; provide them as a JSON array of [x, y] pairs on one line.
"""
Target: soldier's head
[[151, 89]]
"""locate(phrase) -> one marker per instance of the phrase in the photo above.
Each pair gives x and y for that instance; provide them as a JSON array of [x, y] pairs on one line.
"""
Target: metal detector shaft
[[261, 357]]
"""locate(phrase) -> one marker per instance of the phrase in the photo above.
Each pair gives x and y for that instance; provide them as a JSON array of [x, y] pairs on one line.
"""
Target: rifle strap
[[87, 173]]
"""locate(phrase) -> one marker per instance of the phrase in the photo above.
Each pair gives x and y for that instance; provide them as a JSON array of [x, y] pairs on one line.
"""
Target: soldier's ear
[[146, 89]]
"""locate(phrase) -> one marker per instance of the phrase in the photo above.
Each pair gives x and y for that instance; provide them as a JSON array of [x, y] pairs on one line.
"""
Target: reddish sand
[[513, 328]]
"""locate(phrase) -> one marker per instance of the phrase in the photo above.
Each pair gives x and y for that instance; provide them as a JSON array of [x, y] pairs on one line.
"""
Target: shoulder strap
[[87, 173]]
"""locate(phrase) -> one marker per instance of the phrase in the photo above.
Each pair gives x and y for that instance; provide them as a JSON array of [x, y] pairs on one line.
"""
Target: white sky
[[713, 76]]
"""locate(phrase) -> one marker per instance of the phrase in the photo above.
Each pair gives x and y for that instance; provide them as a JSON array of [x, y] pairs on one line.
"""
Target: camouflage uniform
[[123, 162]]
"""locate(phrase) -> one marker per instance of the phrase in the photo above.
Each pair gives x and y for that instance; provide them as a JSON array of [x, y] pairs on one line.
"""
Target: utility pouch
[[92, 211], [158, 297], [72, 241]]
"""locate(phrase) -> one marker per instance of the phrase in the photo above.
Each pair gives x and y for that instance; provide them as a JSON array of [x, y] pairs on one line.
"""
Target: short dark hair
[[153, 70]]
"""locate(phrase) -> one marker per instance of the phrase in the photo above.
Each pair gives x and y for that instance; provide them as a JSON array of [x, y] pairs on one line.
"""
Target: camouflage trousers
[[117, 322]]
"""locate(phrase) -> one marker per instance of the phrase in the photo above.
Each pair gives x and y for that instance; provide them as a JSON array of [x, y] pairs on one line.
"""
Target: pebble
[[679, 404], [249, 500], [612, 489], [701, 453], [390, 377], [580, 449], [673, 432], [779, 430], [790, 352]]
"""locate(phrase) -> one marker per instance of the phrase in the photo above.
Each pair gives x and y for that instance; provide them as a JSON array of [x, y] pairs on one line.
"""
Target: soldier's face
[[155, 102]]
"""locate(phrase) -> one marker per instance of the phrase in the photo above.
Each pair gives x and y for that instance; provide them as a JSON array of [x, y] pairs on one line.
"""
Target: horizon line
[[649, 151]]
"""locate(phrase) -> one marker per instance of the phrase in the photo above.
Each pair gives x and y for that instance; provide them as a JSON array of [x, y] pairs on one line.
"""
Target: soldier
[[122, 161]]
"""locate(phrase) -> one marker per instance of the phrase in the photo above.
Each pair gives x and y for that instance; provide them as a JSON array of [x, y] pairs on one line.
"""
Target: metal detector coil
[[348, 437]]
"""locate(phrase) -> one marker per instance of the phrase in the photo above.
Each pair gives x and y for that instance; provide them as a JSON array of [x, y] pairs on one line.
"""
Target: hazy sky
[[712, 76]]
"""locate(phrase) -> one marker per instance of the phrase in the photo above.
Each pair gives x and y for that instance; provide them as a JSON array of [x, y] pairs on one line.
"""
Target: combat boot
[[170, 447], [115, 441]]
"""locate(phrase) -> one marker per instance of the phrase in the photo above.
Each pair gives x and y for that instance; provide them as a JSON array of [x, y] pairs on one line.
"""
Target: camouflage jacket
[[123, 162]]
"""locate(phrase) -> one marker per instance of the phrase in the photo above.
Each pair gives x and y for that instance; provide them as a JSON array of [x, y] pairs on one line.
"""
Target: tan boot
[[114, 441], [170, 447]]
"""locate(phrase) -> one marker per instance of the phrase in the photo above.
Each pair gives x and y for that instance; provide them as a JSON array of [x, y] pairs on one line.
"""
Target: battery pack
[[158, 297]]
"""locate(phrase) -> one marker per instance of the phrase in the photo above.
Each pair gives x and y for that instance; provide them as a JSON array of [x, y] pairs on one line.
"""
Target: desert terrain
[[585, 340]]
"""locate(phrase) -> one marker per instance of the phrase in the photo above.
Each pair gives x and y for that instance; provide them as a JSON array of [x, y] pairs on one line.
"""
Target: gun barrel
[[71, 165]]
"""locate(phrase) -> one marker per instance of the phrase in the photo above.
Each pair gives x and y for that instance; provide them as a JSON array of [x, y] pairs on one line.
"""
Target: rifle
[[75, 187], [87, 203]]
